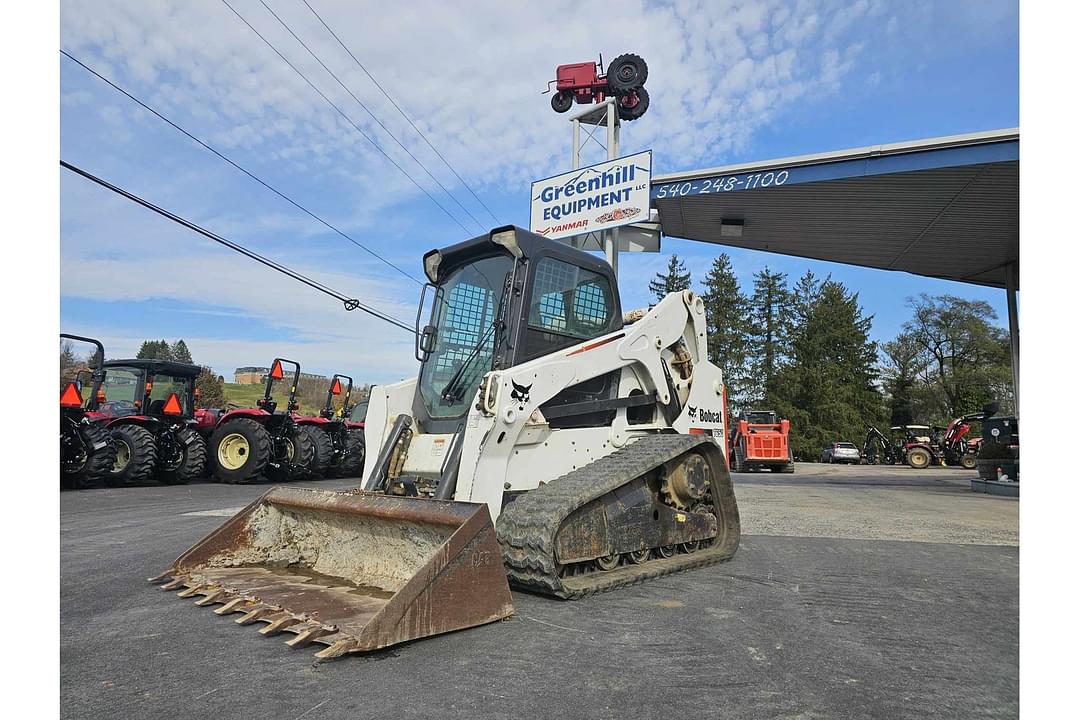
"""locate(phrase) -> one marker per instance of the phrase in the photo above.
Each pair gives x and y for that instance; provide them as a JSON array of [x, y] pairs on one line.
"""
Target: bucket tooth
[[160, 578], [277, 624], [257, 613], [233, 606], [191, 591], [308, 633], [173, 584], [339, 648], [214, 597]]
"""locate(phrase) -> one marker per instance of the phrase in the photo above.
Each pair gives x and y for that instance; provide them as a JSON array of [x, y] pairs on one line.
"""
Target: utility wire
[[350, 303], [346, 117], [247, 172], [402, 112], [368, 111]]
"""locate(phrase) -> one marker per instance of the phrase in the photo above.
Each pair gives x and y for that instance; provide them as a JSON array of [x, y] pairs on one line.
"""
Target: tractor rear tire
[[296, 465], [192, 461], [636, 110], [95, 468], [561, 101], [627, 73], [969, 461], [136, 455], [239, 451], [352, 462], [918, 458], [323, 450]]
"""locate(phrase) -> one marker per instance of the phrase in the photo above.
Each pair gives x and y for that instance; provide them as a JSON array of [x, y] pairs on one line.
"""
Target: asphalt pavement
[[856, 593]]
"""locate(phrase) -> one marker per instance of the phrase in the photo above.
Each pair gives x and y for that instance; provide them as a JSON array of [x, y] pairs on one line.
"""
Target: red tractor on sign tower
[[583, 83], [338, 441]]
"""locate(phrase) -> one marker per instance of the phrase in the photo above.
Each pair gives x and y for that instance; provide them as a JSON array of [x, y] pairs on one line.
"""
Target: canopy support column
[[1014, 332]]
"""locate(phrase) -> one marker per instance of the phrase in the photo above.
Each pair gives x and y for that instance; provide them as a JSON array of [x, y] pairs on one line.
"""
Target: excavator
[[548, 442]]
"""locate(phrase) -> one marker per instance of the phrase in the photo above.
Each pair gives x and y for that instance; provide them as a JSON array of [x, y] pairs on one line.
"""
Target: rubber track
[[527, 527]]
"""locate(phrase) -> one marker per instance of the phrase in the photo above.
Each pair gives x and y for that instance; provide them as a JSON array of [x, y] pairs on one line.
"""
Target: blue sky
[[729, 82]]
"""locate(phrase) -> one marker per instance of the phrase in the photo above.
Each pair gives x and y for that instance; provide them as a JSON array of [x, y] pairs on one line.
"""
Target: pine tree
[[67, 355], [676, 279], [180, 353], [211, 389], [770, 328], [726, 320], [827, 387]]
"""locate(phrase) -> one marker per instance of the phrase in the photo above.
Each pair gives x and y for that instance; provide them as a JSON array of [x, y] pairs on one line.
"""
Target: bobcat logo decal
[[520, 392], [693, 412]]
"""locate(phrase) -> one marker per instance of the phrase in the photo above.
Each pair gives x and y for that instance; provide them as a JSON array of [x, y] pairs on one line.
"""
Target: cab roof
[[168, 367]]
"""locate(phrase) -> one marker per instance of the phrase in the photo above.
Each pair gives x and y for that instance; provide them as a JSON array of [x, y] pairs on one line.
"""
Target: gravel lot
[[857, 592]]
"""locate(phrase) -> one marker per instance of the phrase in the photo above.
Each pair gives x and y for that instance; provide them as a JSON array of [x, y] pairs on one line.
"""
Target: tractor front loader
[[250, 443], [546, 441], [338, 442], [86, 449]]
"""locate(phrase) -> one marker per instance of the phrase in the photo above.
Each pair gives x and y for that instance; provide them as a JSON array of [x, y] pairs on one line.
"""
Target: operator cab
[[499, 300], [148, 387], [759, 417]]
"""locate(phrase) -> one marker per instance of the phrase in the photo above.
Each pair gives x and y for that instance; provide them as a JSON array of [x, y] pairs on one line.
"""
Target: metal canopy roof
[[944, 207]]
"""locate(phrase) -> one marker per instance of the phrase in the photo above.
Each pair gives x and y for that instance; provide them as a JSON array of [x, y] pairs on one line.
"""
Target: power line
[[368, 111], [350, 303], [402, 112], [247, 172], [346, 117]]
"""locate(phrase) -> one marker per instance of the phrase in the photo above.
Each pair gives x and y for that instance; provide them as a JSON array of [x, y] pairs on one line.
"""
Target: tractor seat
[[157, 407]]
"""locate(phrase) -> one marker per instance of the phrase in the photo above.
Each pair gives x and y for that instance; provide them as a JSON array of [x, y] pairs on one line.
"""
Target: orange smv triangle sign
[[335, 389], [275, 371], [71, 397], [172, 406]]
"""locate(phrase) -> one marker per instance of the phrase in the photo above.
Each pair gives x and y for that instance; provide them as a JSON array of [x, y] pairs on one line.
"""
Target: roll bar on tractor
[[335, 389], [96, 362], [267, 402]]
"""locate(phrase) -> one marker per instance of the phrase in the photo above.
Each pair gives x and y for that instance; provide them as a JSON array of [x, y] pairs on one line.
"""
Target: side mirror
[[427, 340]]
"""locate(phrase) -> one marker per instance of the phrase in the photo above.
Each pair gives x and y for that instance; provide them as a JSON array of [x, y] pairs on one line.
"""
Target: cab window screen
[[569, 300]]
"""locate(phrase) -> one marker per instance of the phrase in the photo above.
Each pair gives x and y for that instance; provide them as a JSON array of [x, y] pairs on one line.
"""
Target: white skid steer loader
[[547, 440]]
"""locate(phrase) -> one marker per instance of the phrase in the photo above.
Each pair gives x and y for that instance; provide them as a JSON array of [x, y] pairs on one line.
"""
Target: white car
[[840, 452]]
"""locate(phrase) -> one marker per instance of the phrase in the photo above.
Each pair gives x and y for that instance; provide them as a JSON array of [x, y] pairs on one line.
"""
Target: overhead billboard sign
[[594, 198]]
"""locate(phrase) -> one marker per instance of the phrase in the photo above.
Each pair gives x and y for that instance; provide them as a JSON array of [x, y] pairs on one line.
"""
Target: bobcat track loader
[[547, 440]]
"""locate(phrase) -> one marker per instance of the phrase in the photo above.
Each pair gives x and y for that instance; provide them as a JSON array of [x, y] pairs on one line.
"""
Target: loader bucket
[[355, 571]]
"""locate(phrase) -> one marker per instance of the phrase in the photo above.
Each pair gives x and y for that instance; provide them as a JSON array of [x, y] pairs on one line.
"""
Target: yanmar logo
[[704, 415], [577, 225]]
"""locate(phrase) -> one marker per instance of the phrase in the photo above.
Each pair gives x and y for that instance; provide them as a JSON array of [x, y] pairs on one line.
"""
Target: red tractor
[[149, 408], [583, 83], [87, 453], [248, 443], [759, 441], [338, 441], [950, 446]]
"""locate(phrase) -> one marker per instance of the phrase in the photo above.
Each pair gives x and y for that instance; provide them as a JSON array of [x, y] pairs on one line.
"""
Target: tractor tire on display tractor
[[918, 458], [561, 101], [239, 451], [136, 455], [352, 462], [969, 461], [323, 450], [633, 105], [190, 463], [296, 464], [89, 470], [627, 73]]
